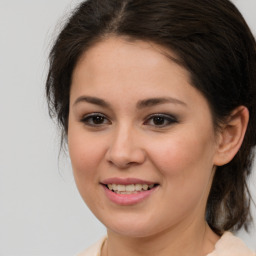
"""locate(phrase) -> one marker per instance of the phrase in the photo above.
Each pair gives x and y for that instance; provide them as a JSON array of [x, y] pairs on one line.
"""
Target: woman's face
[[140, 137]]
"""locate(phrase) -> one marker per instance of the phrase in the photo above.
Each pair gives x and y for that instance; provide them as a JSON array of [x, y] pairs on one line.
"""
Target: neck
[[193, 239]]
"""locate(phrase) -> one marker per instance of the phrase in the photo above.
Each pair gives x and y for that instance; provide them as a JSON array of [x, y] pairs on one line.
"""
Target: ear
[[231, 136]]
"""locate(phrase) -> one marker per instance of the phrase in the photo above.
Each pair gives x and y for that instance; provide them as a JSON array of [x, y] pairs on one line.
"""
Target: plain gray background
[[41, 212]]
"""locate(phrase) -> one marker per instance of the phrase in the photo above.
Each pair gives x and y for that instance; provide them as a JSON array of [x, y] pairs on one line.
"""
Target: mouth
[[128, 191], [130, 188]]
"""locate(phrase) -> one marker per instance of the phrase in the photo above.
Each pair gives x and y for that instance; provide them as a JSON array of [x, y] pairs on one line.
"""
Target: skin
[[180, 154]]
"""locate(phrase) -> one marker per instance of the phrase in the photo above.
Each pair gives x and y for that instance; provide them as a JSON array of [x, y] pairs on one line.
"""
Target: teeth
[[121, 188], [138, 187], [128, 189], [145, 187]]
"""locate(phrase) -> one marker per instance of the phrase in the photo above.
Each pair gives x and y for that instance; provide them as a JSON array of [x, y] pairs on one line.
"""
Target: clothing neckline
[[228, 244]]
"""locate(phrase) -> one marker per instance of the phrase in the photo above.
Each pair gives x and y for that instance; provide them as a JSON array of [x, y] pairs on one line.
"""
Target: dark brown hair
[[213, 43]]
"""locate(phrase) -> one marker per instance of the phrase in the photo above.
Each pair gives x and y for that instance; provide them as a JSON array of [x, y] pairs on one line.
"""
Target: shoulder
[[230, 245], [93, 250]]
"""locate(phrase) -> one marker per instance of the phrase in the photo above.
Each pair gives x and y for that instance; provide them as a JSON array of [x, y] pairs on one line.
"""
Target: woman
[[157, 102]]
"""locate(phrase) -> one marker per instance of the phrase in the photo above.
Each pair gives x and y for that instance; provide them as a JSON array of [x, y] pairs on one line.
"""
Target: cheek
[[180, 154], [86, 153], [185, 162]]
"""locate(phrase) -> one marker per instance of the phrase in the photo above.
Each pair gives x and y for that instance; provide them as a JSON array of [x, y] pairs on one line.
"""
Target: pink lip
[[127, 199], [126, 181]]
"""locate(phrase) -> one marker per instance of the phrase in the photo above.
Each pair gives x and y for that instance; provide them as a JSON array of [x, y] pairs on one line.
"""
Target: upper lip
[[126, 181]]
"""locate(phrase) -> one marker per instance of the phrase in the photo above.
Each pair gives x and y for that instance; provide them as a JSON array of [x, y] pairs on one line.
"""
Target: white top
[[228, 245]]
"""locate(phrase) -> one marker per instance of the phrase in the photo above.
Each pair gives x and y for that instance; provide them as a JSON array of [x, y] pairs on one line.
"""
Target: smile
[[129, 189]]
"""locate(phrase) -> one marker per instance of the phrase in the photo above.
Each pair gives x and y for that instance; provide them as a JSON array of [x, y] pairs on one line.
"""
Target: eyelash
[[88, 119], [165, 118]]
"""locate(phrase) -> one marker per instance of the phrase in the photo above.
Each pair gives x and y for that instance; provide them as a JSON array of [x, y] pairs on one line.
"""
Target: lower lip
[[128, 199]]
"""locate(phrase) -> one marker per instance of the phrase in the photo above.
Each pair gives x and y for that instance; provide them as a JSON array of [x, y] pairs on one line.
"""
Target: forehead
[[124, 44], [118, 57], [123, 73]]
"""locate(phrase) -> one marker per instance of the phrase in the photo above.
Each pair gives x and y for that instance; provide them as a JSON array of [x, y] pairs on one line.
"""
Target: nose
[[125, 149]]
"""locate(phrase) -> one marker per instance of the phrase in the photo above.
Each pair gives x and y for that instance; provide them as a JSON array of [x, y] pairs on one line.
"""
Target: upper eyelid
[[161, 115], [148, 116], [94, 114], [164, 115], [91, 115], [169, 118]]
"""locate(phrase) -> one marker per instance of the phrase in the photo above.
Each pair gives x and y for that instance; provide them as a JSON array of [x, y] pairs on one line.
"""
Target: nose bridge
[[125, 148]]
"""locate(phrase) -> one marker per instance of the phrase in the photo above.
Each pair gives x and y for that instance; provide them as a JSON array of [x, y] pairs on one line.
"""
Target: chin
[[132, 232], [137, 227]]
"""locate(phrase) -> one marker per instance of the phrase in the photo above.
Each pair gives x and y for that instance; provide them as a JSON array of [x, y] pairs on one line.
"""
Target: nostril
[[124, 153], [122, 163]]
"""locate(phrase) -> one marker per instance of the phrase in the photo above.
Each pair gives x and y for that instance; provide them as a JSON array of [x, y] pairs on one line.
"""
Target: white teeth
[[138, 187], [145, 187], [121, 188], [128, 189]]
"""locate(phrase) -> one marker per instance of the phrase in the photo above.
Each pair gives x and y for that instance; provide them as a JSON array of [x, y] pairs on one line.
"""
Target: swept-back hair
[[212, 41]]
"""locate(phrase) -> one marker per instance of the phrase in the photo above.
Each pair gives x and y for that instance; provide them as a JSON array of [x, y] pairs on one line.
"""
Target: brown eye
[[98, 119], [95, 119], [160, 120]]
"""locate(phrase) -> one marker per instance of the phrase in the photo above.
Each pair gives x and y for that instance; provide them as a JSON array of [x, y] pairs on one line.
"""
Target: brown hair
[[213, 43]]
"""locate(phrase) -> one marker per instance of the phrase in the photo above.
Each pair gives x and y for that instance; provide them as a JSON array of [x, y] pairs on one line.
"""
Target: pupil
[[158, 120], [98, 119]]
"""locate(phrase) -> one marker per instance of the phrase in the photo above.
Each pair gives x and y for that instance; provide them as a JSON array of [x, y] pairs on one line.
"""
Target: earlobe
[[231, 136]]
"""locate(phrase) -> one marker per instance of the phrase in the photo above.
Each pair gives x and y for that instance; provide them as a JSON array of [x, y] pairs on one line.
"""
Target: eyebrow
[[92, 100], [140, 104], [157, 101]]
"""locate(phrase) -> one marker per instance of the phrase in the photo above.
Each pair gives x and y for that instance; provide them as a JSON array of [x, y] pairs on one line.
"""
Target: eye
[[95, 119], [160, 120]]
